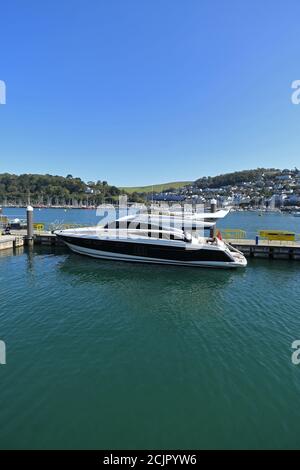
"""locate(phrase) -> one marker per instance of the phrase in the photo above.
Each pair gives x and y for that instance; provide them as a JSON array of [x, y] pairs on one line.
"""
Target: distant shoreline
[[233, 209], [48, 207]]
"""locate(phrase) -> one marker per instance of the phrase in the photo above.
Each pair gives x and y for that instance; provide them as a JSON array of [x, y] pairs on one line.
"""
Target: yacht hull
[[152, 254]]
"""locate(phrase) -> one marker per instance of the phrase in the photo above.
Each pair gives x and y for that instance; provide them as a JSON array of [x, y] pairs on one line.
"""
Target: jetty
[[11, 241], [274, 249]]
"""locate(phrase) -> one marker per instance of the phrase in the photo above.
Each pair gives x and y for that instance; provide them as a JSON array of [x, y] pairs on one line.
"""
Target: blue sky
[[147, 91]]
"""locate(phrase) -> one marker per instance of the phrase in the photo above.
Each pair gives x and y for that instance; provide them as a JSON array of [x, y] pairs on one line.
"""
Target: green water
[[117, 355]]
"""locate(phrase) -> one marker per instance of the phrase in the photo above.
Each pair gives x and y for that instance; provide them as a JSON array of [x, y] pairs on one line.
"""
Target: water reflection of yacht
[[128, 276]]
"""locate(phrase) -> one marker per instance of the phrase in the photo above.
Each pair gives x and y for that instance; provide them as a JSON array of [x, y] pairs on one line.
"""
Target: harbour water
[[117, 355]]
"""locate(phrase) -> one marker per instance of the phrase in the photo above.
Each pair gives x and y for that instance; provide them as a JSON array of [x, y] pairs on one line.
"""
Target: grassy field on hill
[[155, 187]]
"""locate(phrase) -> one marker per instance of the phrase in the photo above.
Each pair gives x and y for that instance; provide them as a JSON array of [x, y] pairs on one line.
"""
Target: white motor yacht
[[151, 244]]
